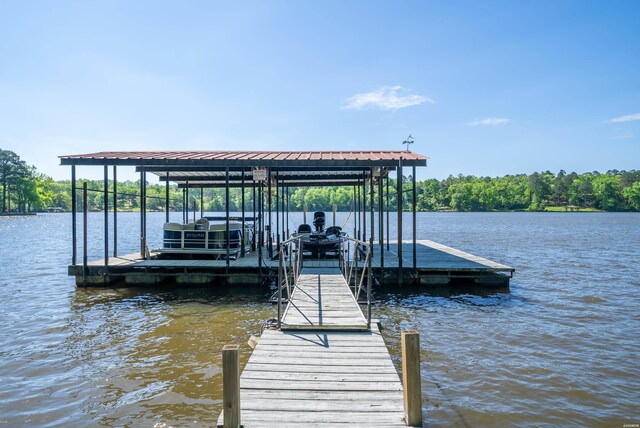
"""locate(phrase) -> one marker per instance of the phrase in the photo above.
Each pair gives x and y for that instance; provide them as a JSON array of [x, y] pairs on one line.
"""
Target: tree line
[[24, 189]]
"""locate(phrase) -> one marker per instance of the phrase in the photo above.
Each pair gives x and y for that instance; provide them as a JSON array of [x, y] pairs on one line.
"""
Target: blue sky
[[485, 88]]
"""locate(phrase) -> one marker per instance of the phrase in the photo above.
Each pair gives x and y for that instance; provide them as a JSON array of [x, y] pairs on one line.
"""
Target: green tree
[[9, 167], [606, 192], [632, 196]]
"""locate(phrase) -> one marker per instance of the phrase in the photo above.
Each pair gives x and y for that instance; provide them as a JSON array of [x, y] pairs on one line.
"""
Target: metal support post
[[115, 211], [106, 216], [414, 198], [74, 208]]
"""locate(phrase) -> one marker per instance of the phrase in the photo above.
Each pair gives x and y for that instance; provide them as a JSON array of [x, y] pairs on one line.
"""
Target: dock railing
[[289, 267], [355, 273]]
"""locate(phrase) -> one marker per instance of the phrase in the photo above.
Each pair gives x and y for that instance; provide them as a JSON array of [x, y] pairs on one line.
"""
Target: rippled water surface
[[561, 348]]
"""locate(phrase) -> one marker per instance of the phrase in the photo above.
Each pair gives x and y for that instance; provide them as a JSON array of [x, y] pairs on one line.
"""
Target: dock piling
[[231, 385], [410, 342]]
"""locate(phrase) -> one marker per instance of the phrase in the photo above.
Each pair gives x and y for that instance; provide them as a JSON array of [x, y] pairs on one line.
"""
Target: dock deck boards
[[434, 256], [430, 255], [324, 377], [320, 378], [436, 264], [322, 300]]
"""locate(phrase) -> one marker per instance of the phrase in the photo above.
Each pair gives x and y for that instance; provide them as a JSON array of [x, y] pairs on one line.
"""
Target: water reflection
[[153, 354]]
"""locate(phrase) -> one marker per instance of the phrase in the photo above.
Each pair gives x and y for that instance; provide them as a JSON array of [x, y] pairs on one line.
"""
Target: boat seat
[[304, 228], [190, 226], [202, 224], [172, 226], [333, 230]]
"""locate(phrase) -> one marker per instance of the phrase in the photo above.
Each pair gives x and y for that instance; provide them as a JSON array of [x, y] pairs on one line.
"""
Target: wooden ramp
[[315, 379], [324, 367], [322, 300]]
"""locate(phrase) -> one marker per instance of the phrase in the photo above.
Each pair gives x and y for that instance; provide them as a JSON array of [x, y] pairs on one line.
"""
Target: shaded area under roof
[[294, 168]]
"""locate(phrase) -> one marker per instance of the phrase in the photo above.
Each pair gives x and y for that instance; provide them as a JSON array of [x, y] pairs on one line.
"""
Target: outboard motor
[[318, 221]]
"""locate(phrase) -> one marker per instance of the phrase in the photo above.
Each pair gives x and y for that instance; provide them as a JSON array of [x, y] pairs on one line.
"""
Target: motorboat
[[321, 242]]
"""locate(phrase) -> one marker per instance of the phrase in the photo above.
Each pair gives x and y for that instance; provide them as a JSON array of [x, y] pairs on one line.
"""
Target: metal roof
[[208, 168], [266, 158]]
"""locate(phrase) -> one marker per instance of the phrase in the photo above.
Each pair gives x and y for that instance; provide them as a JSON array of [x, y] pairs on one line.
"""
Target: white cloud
[[385, 98], [627, 118], [490, 121], [623, 137]]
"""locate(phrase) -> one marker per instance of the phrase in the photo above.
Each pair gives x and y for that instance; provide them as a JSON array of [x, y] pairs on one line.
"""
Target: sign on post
[[259, 175]]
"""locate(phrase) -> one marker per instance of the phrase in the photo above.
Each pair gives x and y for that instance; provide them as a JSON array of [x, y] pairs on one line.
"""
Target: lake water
[[561, 348]]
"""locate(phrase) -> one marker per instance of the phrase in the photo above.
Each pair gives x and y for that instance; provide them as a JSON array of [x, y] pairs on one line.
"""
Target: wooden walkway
[[322, 300], [317, 371]]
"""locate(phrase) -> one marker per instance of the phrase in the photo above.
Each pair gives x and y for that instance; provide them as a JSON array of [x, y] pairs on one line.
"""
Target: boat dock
[[242, 249], [323, 367], [436, 265]]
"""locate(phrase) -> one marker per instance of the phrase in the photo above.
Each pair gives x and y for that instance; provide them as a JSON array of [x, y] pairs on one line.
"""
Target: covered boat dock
[[266, 179]]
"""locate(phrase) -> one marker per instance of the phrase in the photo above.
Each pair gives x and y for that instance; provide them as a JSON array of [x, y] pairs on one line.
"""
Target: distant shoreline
[[18, 214], [552, 210]]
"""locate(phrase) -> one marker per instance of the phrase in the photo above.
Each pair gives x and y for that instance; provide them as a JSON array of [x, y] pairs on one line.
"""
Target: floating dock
[[436, 265], [324, 368]]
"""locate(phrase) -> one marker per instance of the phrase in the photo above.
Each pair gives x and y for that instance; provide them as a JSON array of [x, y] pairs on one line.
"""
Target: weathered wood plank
[[290, 385], [304, 368], [311, 396], [332, 361], [345, 346], [321, 377], [322, 405], [320, 355], [368, 418]]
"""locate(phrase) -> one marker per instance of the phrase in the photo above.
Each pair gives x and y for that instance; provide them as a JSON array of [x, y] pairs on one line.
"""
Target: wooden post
[[231, 385], [410, 342]]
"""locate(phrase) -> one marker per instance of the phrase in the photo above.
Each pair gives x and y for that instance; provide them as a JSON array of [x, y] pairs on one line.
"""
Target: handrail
[[349, 270], [288, 277]]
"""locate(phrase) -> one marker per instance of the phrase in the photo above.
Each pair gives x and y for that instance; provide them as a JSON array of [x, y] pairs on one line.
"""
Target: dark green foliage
[[612, 191], [23, 189]]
